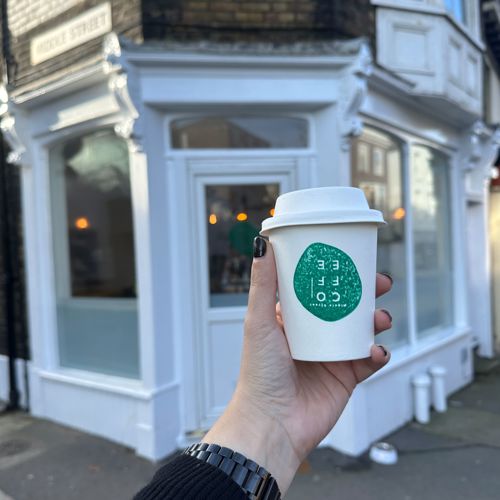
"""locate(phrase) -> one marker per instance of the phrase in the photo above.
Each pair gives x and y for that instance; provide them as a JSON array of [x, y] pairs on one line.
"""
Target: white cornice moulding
[[70, 83], [332, 55]]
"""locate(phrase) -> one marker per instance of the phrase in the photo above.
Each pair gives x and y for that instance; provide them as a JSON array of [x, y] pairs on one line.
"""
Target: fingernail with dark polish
[[259, 247], [387, 275], [388, 314], [383, 349]]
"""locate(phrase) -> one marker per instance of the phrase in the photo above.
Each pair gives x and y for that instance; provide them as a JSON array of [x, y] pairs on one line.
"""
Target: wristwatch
[[256, 482]]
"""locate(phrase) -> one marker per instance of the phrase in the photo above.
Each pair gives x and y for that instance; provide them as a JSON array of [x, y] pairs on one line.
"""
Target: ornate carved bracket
[[18, 151], [354, 90], [480, 149], [121, 85]]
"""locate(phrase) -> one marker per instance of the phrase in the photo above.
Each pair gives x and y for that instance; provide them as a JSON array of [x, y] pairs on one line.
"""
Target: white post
[[421, 397], [438, 374]]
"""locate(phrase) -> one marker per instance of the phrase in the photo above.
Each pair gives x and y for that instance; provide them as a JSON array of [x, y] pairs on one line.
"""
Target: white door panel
[[218, 317]]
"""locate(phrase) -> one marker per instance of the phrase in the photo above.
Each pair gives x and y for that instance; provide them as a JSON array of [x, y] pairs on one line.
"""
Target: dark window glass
[[233, 216], [99, 216], [239, 132]]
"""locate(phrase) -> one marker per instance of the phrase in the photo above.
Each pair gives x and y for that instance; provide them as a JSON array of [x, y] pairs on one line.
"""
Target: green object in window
[[241, 237]]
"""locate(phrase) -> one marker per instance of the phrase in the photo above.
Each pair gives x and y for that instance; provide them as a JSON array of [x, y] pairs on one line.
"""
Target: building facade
[[491, 30], [153, 138]]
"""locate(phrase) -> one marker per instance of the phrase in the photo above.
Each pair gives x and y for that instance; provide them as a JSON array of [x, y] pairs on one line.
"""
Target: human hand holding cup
[[282, 408]]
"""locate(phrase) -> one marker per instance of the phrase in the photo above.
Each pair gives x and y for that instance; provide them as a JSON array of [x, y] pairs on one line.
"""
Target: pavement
[[456, 455]]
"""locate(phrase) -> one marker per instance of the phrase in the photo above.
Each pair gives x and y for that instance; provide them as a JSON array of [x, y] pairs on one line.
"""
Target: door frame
[[291, 169]]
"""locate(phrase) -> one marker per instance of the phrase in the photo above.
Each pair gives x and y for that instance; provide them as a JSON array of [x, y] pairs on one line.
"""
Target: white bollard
[[438, 374], [421, 397]]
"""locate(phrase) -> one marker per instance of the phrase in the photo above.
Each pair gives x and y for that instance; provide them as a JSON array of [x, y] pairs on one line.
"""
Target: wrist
[[261, 438]]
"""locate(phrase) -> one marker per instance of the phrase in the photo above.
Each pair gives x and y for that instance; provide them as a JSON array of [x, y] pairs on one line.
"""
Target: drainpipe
[[7, 282], [9, 233]]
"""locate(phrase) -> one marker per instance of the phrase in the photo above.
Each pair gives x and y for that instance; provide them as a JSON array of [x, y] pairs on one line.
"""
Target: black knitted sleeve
[[188, 478]]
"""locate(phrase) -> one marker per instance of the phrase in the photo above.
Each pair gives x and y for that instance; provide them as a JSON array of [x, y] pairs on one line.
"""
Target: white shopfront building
[[145, 176]]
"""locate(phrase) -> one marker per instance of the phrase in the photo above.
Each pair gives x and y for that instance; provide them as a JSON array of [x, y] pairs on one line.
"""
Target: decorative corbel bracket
[[18, 153], [354, 90], [480, 149], [123, 84]]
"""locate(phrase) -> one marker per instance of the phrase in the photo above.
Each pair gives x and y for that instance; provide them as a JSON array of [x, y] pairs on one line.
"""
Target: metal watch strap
[[255, 481]]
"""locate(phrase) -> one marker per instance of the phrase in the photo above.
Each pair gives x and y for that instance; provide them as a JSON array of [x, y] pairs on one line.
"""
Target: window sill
[[403, 355], [99, 382]]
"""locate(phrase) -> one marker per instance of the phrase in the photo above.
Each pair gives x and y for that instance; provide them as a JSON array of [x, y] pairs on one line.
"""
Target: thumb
[[262, 294]]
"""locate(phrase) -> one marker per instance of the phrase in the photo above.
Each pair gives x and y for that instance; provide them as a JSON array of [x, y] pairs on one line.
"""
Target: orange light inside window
[[399, 213], [212, 219], [271, 212], [242, 216], [82, 223]]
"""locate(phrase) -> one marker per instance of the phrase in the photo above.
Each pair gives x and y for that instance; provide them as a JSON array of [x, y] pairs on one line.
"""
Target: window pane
[[234, 214], [377, 169], [240, 132], [431, 226], [99, 217], [94, 254], [457, 9]]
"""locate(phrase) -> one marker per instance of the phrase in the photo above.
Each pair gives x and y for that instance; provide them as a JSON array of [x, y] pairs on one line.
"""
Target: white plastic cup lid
[[325, 205]]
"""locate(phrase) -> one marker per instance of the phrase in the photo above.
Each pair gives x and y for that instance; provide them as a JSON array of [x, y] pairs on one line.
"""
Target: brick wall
[[276, 21], [24, 15], [126, 17], [280, 21]]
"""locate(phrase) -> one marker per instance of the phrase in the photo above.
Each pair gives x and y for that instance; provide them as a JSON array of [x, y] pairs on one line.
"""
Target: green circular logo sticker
[[327, 282]]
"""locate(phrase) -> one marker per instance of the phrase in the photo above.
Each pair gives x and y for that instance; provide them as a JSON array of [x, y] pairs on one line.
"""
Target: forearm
[[261, 438]]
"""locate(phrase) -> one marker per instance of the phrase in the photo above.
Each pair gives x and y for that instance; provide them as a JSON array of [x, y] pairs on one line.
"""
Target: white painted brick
[[25, 15]]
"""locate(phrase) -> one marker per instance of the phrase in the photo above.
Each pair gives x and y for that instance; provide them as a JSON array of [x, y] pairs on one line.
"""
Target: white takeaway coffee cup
[[325, 246]]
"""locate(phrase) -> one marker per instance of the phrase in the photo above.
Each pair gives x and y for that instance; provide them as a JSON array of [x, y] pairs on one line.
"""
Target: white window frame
[[49, 264], [416, 344], [61, 256], [170, 151]]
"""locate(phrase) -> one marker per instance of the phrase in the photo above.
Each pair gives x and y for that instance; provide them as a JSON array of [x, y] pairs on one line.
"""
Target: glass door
[[233, 216], [229, 211]]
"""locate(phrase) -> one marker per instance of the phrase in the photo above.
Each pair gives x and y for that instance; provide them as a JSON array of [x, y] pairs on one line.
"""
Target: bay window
[[412, 190], [94, 258], [430, 200], [377, 169]]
